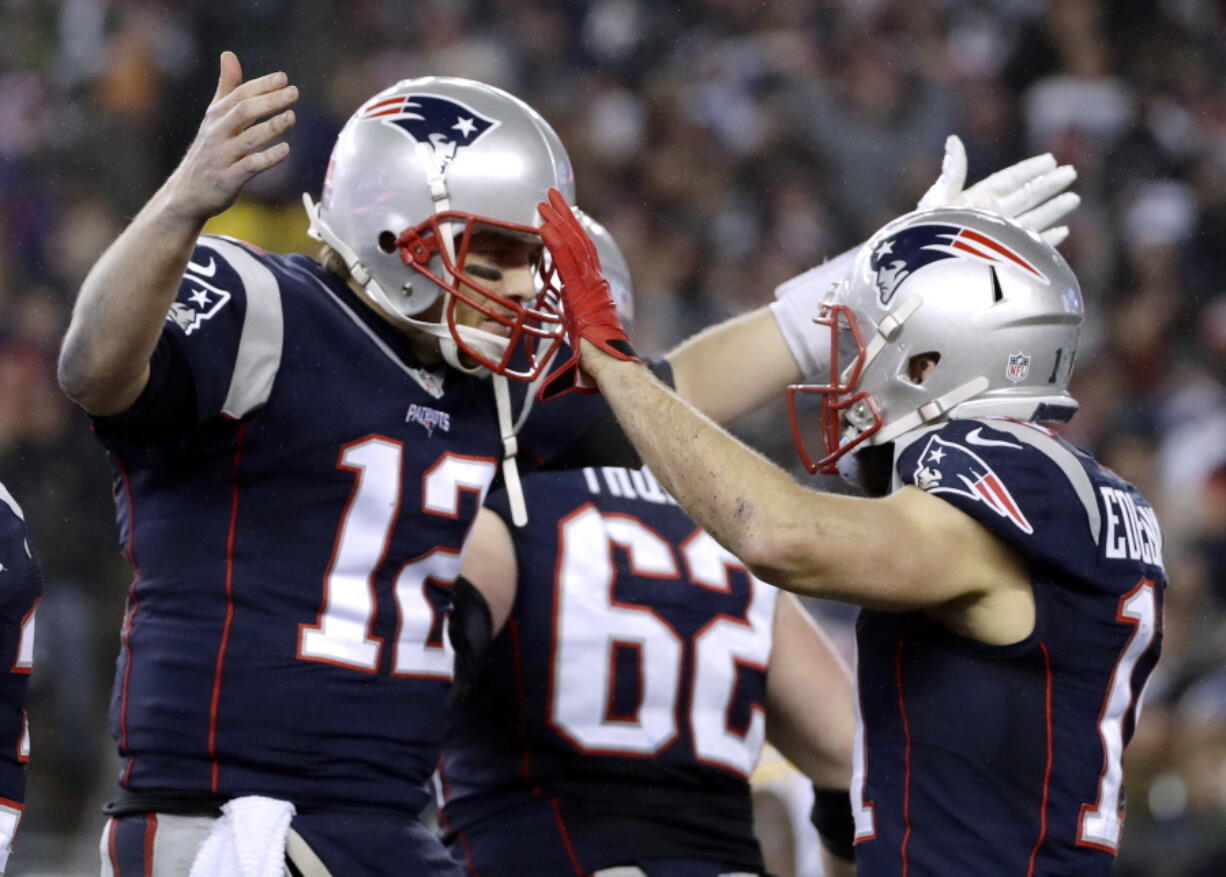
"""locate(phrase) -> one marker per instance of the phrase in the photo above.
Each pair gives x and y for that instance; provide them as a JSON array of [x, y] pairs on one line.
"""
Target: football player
[[20, 590], [634, 672], [300, 448], [1012, 586], [620, 673]]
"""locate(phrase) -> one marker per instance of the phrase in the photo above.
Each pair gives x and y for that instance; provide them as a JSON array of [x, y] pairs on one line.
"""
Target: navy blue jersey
[[294, 528], [21, 587], [974, 759], [618, 714]]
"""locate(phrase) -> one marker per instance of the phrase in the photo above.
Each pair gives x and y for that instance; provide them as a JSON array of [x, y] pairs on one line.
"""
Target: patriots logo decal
[[948, 467], [442, 124], [900, 255], [202, 302]]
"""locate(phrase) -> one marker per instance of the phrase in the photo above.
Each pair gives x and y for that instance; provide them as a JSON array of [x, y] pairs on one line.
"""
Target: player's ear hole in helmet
[[922, 365]]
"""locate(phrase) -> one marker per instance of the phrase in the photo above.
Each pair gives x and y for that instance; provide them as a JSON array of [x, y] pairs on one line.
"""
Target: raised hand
[[588, 308], [231, 146], [1031, 192]]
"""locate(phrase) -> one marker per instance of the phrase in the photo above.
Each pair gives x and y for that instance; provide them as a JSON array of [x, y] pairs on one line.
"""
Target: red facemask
[[837, 396], [535, 327]]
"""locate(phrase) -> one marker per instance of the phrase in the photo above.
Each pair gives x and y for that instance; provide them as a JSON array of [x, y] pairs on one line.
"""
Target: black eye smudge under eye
[[483, 272]]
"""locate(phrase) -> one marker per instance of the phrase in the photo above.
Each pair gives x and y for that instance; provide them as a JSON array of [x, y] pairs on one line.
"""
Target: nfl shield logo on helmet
[[1018, 367], [443, 125]]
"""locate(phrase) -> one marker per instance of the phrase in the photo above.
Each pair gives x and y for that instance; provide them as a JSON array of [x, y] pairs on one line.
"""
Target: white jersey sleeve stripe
[[262, 339], [7, 499]]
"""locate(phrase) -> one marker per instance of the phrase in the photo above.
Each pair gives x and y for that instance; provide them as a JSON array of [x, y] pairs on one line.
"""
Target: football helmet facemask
[[418, 173], [994, 306]]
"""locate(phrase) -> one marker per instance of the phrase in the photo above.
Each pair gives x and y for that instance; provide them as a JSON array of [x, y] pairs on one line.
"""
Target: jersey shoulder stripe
[[1062, 456], [263, 333], [7, 499]]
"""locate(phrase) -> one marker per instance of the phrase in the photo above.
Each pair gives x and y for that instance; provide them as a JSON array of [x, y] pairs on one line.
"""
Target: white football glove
[[1030, 192]]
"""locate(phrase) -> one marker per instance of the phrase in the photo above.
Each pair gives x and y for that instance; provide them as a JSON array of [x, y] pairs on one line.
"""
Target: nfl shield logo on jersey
[[444, 125], [1018, 367]]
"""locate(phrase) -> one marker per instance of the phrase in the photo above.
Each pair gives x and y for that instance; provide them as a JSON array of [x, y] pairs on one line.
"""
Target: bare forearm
[[104, 363], [827, 770], [803, 541], [739, 496], [122, 305], [725, 387], [810, 711]]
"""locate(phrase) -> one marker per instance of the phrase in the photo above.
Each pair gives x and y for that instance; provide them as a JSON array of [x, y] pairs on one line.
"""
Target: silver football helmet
[[996, 307], [417, 172]]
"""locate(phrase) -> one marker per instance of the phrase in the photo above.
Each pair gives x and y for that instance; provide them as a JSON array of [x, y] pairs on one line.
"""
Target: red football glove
[[588, 309]]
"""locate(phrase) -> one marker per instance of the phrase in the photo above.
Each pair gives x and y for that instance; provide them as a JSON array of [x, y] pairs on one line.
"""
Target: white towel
[[248, 840]]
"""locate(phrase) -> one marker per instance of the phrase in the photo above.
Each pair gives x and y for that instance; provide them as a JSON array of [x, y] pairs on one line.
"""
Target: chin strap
[[887, 330], [510, 447], [938, 409], [493, 346]]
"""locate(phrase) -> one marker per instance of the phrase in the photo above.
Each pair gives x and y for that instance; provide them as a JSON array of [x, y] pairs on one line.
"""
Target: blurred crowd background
[[727, 144]]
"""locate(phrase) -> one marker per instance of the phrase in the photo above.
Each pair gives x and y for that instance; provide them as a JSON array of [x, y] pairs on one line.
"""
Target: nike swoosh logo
[[207, 270], [973, 437]]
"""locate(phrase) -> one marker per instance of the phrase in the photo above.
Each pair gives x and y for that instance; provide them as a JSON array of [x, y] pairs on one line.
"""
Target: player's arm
[[810, 715], [732, 368], [118, 316], [490, 566], [892, 553], [909, 550], [481, 598], [810, 720], [726, 387]]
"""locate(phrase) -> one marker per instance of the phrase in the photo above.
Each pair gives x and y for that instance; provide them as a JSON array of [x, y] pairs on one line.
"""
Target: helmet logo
[[440, 123], [898, 256], [1018, 367]]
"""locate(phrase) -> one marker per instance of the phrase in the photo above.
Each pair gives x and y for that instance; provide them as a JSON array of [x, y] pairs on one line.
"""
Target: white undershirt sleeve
[[797, 302]]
